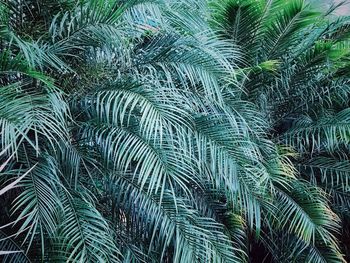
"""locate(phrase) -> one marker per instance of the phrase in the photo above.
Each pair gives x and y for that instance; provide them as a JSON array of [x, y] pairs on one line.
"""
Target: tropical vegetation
[[174, 131]]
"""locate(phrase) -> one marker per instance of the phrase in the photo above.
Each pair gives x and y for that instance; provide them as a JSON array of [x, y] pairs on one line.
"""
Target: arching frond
[[329, 172], [326, 133], [37, 206], [304, 210], [175, 222], [154, 162], [83, 234], [30, 117], [156, 113]]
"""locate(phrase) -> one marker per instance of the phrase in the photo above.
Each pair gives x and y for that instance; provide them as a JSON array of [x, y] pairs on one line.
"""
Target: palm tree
[[98, 119], [295, 70], [136, 131]]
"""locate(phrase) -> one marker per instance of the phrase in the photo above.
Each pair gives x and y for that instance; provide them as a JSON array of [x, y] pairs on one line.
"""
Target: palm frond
[[22, 116], [306, 212], [83, 234], [37, 206], [174, 222], [284, 28], [326, 133], [10, 251]]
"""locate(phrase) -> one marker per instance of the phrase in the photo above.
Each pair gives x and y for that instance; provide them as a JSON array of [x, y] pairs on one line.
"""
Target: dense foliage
[[173, 131]]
